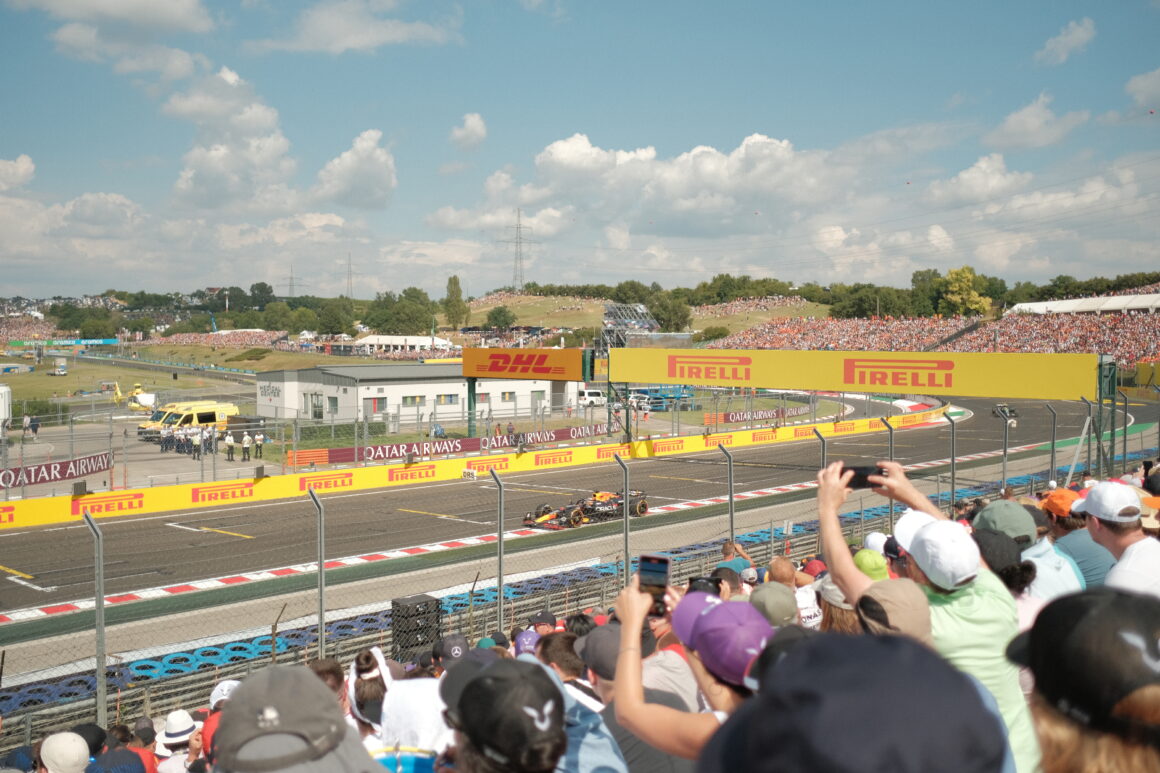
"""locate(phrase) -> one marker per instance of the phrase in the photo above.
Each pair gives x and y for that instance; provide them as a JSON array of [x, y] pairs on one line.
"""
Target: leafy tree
[[335, 317], [261, 295], [278, 316], [581, 336], [960, 296], [248, 319], [94, 327], [864, 300], [237, 299], [671, 313], [711, 333], [455, 310], [304, 319], [631, 291], [501, 318], [925, 290], [139, 325]]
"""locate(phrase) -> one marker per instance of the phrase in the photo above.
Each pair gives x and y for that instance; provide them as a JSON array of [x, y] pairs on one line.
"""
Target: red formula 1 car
[[601, 506]]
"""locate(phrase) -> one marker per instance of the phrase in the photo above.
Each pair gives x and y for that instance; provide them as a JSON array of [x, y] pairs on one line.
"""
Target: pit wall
[[148, 501]]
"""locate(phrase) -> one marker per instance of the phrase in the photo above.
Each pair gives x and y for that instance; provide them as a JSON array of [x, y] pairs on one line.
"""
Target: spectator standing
[[229, 446], [217, 701], [63, 753], [247, 441], [1113, 516], [34, 427], [783, 571], [543, 622], [557, 650], [733, 556], [259, 441], [1055, 573], [195, 439], [26, 424], [1073, 538]]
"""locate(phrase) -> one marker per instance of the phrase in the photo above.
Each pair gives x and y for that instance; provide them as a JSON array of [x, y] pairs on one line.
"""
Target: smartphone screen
[[654, 578]]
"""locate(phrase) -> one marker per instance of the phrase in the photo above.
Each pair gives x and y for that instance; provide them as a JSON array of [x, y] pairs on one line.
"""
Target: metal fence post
[[499, 599], [626, 502], [1124, 441], [1054, 426], [954, 456], [1088, 437], [321, 572], [890, 432], [729, 465], [1006, 442], [99, 623], [1156, 389], [821, 440]]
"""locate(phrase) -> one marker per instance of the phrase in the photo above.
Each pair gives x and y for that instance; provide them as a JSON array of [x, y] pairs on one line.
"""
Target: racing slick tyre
[[640, 508], [575, 518]]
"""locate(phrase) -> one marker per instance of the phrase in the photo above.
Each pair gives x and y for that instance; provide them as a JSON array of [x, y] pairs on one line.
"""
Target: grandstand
[[623, 321]]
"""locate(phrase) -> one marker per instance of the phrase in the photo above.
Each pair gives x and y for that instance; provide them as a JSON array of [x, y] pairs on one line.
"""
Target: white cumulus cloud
[[16, 173], [1071, 39], [160, 15], [471, 133], [363, 176], [1035, 126], [338, 26], [1144, 89], [986, 179]]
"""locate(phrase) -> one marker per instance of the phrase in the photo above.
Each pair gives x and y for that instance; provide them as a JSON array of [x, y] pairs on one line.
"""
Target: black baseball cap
[[1089, 650], [285, 719], [510, 710], [823, 707]]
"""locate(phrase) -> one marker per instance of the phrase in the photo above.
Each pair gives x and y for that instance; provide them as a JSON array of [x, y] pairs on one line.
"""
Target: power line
[[519, 241]]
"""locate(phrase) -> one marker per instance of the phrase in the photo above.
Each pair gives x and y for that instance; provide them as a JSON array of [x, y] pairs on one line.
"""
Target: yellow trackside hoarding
[[1031, 376], [540, 364]]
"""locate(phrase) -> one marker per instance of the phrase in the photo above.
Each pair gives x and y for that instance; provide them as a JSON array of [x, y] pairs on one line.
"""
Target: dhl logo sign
[[712, 441], [844, 426], [668, 446], [108, 503], [765, 436], [7, 514], [553, 457], [709, 368], [607, 452], [911, 374], [803, 432], [330, 480], [412, 472], [547, 364], [486, 465], [222, 492]]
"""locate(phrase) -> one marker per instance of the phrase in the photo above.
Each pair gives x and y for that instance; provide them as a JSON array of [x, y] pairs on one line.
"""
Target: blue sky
[[189, 143]]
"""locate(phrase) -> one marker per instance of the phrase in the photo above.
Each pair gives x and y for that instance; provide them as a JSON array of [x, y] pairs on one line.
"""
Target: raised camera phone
[[862, 475], [705, 585], [654, 579]]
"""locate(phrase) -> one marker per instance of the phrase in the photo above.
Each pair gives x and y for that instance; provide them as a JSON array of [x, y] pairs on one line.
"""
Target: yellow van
[[189, 414]]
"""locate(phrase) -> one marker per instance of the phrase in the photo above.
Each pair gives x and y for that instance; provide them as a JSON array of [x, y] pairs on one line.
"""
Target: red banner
[[52, 472]]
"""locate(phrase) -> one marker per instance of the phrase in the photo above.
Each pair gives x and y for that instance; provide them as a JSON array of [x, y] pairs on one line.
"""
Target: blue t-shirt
[[1094, 561], [738, 564]]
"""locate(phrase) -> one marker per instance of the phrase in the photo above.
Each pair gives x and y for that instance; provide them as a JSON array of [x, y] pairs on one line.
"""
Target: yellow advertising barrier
[[1013, 376], [542, 364], [193, 496]]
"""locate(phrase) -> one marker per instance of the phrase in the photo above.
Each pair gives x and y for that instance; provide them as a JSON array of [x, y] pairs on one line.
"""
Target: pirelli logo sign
[[411, 472], [844, 426], [765, 436], [552, 457], [962, 374], [222, 492], [7, 514], [713, 369], [106, 504], [486, 465], [898, 374], [543, 364], [668, 446], [803, 432], [712, 441], [326, 481], [607, 452]]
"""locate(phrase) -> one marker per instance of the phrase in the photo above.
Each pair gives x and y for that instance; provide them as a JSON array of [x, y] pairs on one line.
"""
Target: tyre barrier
[[78, 686]]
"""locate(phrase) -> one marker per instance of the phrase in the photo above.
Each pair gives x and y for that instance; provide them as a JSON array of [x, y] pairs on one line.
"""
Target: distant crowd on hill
[[748, 305], [803, 333]]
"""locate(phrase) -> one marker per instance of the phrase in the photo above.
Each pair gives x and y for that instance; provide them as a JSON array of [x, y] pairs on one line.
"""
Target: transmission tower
[[290, 284], [519, 241]]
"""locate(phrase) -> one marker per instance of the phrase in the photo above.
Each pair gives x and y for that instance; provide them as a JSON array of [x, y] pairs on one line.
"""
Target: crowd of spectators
[[28, 328], [1011, 636], [748, 306], [1129, 337], [911, 334], [227, 339]]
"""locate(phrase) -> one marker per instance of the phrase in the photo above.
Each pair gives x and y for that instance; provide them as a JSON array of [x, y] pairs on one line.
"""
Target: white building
[[377, 343], [344, 393]]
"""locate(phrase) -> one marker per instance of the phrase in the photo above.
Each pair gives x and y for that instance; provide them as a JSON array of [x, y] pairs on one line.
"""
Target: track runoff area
[[177, 550]]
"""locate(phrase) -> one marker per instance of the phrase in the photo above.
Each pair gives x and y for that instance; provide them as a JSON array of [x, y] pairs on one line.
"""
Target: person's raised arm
[[895, 485], [833, 489]]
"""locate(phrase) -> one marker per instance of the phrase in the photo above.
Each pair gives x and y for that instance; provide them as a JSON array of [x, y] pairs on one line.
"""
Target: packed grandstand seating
[[1129, 337], [230, 339], [1031, 625], [28, 329], [807, 333], [748, 306]]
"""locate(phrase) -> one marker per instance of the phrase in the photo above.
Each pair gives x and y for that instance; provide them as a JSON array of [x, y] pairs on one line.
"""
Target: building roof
[[1106, 303], [368, 374]]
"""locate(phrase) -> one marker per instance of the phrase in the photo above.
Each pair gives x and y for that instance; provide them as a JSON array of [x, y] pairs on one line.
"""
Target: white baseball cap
[[875, 540], [946, 554], [1109, 501], [908, 525]]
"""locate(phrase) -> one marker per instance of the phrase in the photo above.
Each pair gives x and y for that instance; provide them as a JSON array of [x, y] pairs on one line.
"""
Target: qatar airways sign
[[53, 472]]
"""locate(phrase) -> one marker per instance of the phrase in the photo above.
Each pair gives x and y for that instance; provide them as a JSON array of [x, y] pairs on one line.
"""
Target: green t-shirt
[[972, 628]]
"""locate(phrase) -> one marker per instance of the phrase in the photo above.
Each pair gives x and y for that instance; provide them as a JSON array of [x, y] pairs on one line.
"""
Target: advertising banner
[[52, 472], [535, 364], [1000, 375]]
